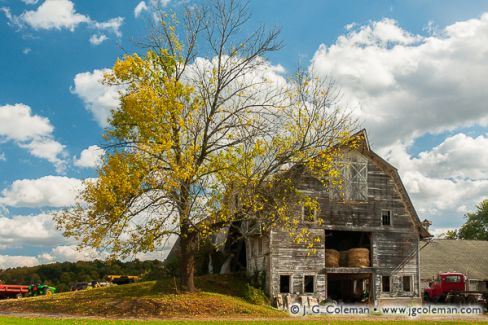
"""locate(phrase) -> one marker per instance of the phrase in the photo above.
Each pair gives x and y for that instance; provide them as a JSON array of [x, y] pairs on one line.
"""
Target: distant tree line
[[64, 275]]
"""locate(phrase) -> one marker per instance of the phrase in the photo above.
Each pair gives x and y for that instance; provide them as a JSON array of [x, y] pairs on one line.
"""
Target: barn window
[[407, 283], [385, 283], [309, 214], [386, 217], [354, 174], [308, 284], [284, 284]]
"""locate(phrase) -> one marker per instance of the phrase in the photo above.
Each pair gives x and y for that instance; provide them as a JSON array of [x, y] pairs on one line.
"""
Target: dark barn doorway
[[349, 287]]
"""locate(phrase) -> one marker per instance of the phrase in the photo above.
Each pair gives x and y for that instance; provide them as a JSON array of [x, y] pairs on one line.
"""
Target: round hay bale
[[331, 258], [343, 258], [358, 257]]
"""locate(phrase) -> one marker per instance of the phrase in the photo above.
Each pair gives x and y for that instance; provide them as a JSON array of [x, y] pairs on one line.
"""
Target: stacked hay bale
[[331, 258], [358, 257]]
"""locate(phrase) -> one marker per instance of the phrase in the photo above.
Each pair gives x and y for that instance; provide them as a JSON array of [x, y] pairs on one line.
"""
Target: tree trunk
[[187, 263]]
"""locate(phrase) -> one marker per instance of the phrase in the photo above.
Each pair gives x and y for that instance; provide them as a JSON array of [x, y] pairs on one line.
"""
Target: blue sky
[[411, 71]]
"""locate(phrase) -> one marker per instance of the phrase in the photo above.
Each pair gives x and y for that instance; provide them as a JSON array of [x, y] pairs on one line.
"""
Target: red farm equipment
[[13, 291]]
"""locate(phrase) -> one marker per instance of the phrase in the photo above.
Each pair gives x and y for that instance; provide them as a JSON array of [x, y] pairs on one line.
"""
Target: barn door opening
[[349, 287], [345, 241]]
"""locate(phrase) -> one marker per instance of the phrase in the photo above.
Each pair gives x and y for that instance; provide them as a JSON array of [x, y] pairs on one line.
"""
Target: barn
[[370, 239]]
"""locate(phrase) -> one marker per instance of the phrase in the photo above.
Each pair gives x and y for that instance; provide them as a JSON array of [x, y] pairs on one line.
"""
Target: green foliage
[[476, 225], [254, 295], [63, 275], [451, 234]]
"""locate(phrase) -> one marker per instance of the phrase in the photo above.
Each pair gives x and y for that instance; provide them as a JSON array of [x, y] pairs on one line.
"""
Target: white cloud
[[70, 253], [113, 25], [31, 132], [90, 157], [98, 98], [2, 157], [98, 39], [59, 14], [159, 3], [19, 124], [27, 50], [47, 191], [48, 149], [7, 261], [446, 181], [457, 157], [54, 14], [30, 2], [33, 230], [403, 85], [140, 8]]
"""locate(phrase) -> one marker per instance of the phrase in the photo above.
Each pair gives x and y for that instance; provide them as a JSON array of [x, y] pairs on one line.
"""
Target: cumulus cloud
[[98, 39], [90, 157], [30, 2], [59, 14], [69, 253], [458, 157], [31, 132], [140, 8], [99, 99], [7, 261], [446, 181], [403, 85], [33, 230], [113, 25], [54, 14], [47, 191]]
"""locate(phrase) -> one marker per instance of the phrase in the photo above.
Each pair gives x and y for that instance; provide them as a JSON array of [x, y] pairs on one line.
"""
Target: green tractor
[[41, 290]]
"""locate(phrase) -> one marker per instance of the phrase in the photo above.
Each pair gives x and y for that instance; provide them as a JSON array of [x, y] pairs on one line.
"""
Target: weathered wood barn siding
[[393, 248], [291, 259]]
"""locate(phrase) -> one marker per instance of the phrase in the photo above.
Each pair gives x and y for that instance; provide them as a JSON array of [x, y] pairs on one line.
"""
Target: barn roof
[[466, 256]]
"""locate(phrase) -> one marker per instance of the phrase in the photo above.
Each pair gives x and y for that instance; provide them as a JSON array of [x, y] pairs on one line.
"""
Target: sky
[[412, 72]]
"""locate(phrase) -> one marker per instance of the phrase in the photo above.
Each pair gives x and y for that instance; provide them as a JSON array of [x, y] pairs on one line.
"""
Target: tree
[[476, 225], [451, 234], [206, 139]]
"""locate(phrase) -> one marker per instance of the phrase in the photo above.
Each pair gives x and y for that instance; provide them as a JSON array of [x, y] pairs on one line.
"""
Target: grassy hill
[[227, 296]]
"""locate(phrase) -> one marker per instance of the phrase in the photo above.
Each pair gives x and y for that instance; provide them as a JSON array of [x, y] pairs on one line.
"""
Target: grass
[[37, 321], [226, 296], [221, 299]]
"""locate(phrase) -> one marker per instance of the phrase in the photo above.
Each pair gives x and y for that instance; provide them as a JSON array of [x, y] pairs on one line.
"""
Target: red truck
[[450, 287], [13, 291]]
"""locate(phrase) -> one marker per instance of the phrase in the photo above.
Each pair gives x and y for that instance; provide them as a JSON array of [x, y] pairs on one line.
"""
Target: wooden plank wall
[[394, 248]]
